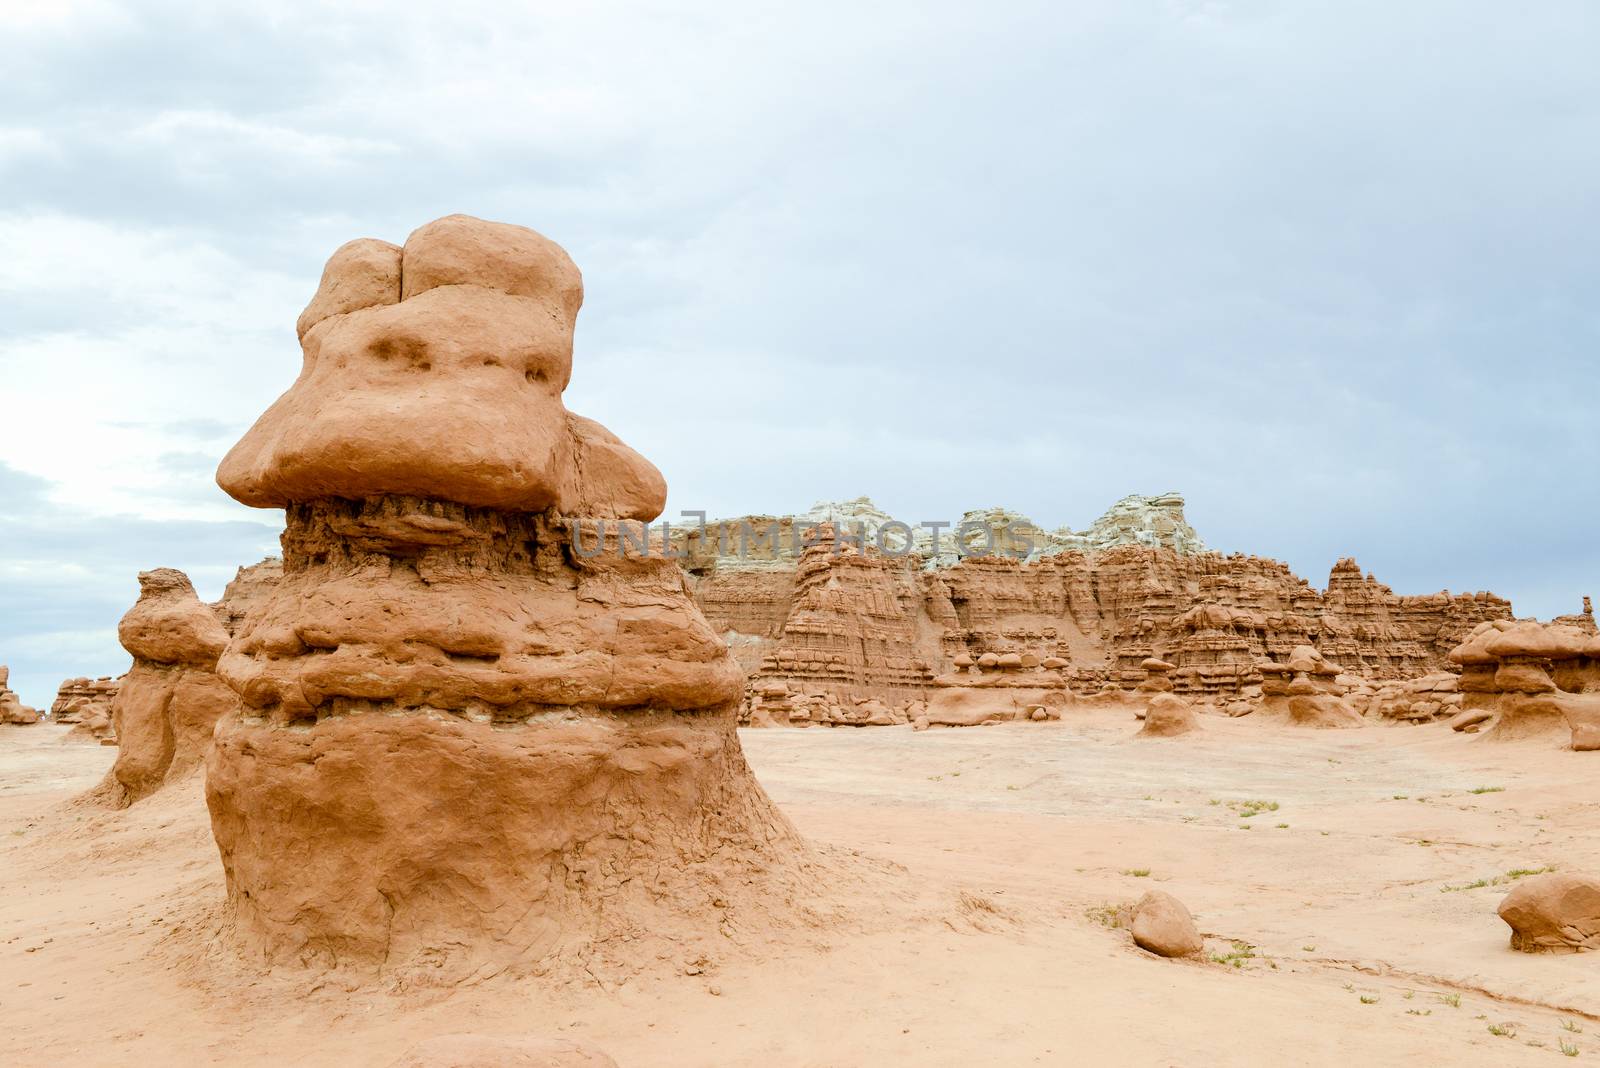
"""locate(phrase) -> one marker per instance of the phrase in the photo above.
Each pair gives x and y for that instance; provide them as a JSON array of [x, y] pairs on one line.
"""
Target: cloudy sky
[[1328, 268]]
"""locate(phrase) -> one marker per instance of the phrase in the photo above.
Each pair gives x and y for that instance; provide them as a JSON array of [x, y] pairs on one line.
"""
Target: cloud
[[67, 577]]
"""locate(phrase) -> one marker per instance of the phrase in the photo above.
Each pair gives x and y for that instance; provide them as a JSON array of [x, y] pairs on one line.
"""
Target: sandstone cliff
[[835, 604]]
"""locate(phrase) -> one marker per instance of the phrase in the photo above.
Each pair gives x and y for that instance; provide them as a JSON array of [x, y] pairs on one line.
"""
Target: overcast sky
[[1328, 269]]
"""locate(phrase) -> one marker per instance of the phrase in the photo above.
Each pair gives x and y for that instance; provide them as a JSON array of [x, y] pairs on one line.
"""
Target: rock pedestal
[[469, 730]]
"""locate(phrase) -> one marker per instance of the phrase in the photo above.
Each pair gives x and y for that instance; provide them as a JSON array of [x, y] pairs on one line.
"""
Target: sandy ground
[[1344, 919]]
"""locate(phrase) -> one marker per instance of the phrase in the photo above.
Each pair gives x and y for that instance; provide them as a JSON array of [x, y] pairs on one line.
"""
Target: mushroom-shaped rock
[[1151, 663], [1163, 926], [473, 733], [1554, 913], [963, 660], [1054, 663], [497, 1051], [1009, 661], [988, 660]]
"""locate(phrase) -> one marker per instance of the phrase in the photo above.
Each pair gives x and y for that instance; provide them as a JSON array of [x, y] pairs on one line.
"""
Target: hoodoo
[[461, 737]]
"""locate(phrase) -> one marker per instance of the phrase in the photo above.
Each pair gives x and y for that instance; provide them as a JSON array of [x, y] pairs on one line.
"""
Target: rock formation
[[1554, 913], [170, 700], [12, 710], [86, 704], [1314, 694], [833, 604], [1163, 926], [472, 728], [1168, 716], [1535, 679]]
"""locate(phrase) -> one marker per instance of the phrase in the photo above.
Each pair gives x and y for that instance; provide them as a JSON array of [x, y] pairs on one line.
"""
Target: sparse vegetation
[[1369, 999], [1487, 790], [1568, 1049], [1419, 1012], [1498, 880], [1137, 873], [1242, 951], [1504, 1030], [1283, 826], [1570, 1025], [1452, 1000]]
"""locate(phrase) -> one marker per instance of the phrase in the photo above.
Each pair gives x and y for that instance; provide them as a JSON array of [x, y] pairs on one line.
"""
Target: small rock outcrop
[[86, 704], [1554, 913], [1162, 925], [996, 687], [1535, 679], [171, 699], [12, 710], [1168, 716]]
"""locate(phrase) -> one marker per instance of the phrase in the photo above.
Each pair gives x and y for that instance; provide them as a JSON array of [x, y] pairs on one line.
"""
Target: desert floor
[[1343, 925]]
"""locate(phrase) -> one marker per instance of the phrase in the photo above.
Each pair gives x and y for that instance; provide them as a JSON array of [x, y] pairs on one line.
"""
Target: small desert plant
[[1137, 873], [1569, 1025], [1419, 1012], [1283, 826], [1487, 790], [1369, 999], [1504, 1030], [1568, 1049], [1242, 951], [1522, 873], [1452, 1000]]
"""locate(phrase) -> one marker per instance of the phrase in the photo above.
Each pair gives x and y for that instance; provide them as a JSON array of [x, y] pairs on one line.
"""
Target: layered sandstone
[[169, 702], [88, 706], [835, 604], [81, 697], [474, 727]]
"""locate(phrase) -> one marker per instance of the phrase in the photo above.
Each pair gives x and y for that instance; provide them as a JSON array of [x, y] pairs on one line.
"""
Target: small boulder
[[1167, 716], [1163, 926], [1554, 913]]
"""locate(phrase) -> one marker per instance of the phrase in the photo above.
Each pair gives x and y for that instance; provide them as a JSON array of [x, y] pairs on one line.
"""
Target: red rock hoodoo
[[169, 702], [461, 736]]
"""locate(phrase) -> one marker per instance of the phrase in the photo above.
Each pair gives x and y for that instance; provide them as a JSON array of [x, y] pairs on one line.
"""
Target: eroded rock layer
[[831, 617]]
